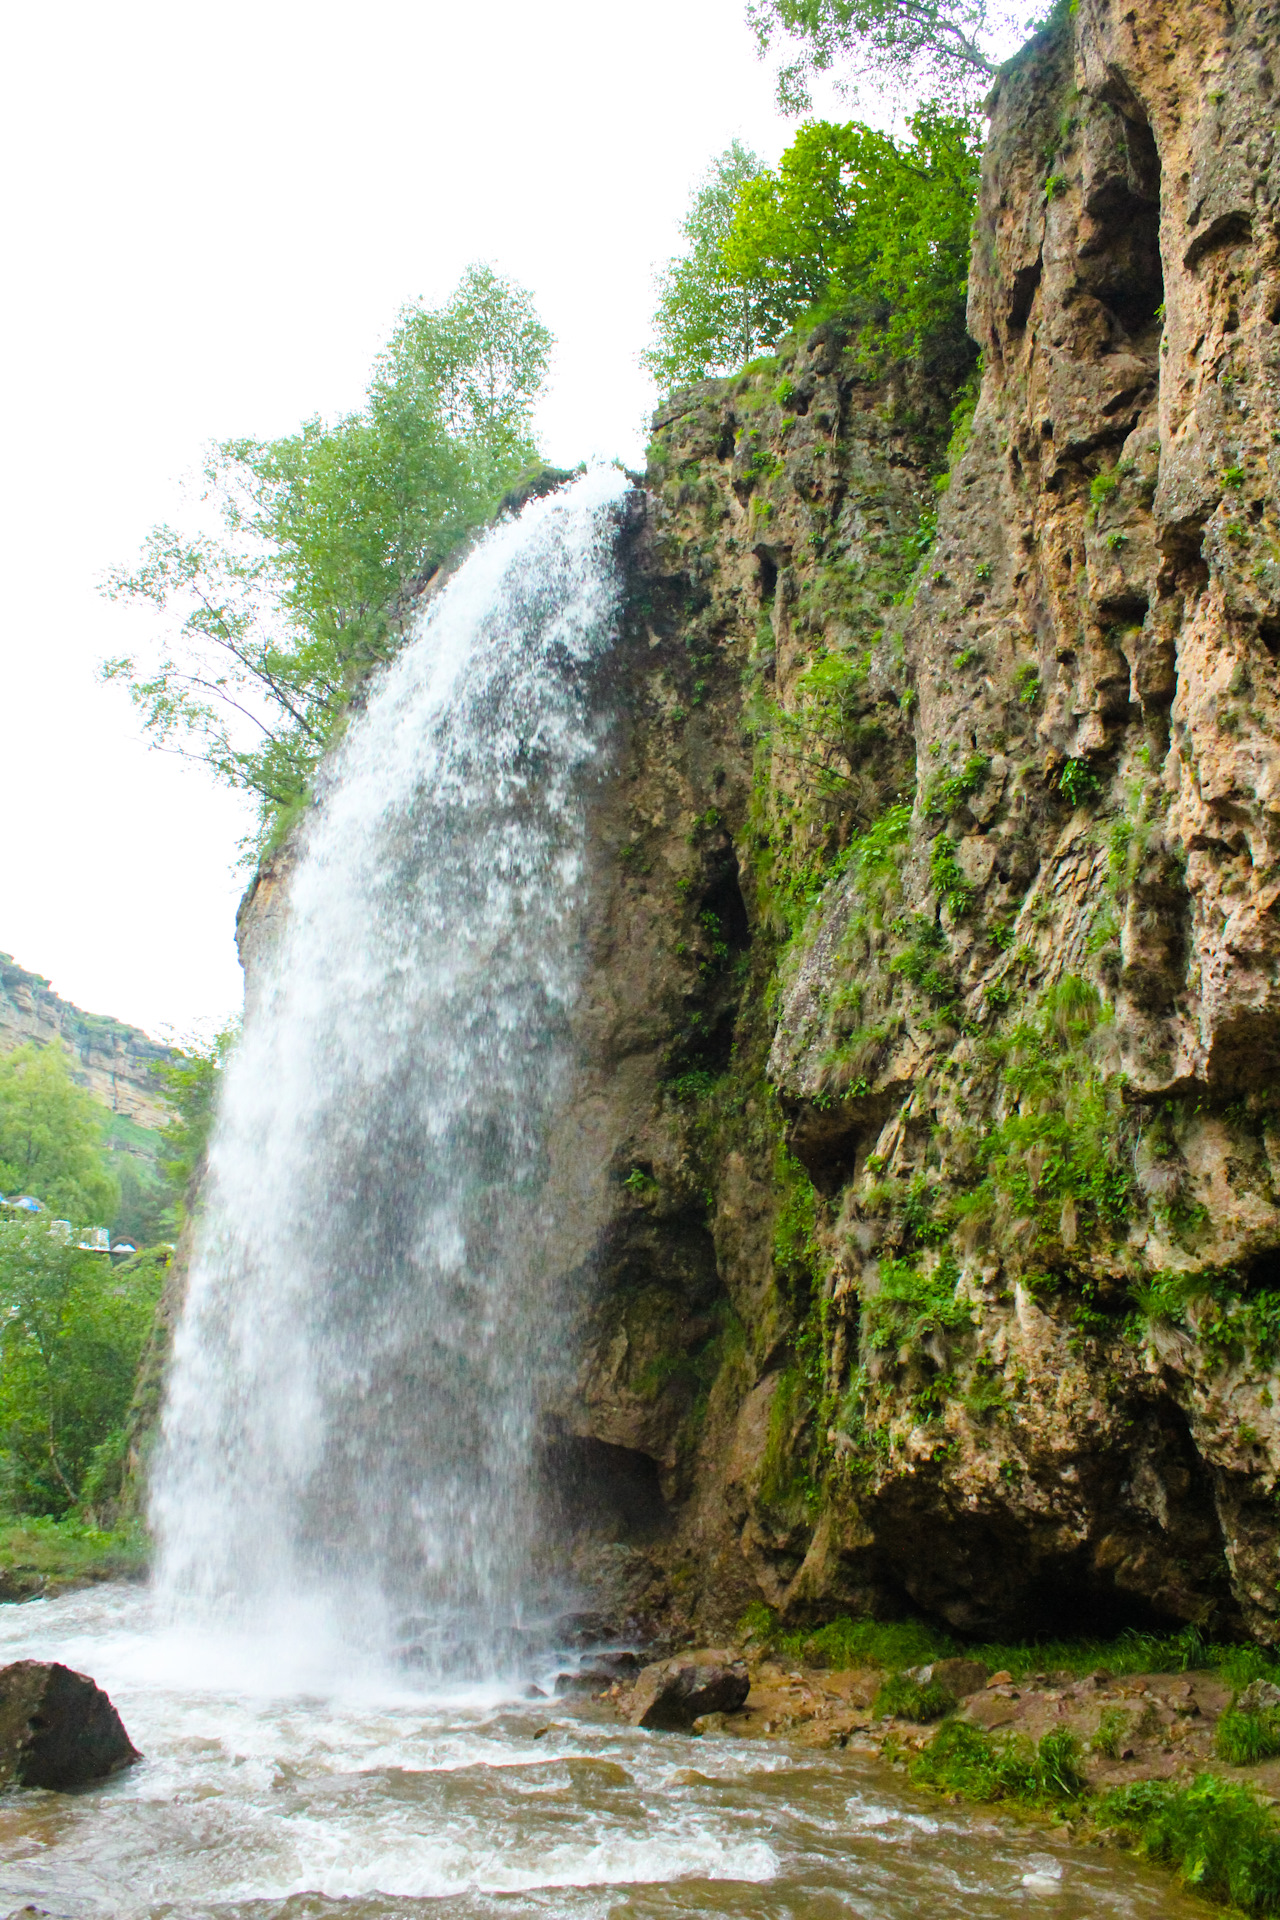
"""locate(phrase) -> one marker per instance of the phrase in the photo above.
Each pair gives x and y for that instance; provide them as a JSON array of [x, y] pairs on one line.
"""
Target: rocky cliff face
[[921, 1194], [932, 1035], [114, 1062]]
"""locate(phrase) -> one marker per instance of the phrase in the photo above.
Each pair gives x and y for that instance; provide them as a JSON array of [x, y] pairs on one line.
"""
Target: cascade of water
[[352, 1401]]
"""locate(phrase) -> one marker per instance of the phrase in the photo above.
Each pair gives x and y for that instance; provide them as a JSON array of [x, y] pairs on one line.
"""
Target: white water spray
[[353, 1398]]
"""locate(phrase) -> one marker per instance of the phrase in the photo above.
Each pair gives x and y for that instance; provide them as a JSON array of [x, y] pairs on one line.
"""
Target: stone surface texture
[[57, 1729], [114, 1062]]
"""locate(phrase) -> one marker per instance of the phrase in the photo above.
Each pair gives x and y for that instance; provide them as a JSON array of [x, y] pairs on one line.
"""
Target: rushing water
[[269, 1791], [349, 1427]]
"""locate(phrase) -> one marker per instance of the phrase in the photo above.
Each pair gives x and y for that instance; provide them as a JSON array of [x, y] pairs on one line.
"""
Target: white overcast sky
[[212, 215]]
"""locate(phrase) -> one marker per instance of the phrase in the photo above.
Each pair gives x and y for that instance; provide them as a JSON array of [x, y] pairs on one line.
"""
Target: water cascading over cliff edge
[[351, 1410]]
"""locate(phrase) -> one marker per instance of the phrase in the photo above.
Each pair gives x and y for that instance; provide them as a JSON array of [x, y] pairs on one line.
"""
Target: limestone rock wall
[[114, 1062], [933, 1033]]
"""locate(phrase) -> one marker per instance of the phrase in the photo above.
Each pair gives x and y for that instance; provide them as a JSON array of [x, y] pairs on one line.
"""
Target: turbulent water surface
[[271, 1792]]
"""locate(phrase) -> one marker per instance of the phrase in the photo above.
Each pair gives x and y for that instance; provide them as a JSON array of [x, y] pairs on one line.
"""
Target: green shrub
[[1244, 1738], [964, 1759], [1113, 1731], [1216, 1833], [906, 1699]]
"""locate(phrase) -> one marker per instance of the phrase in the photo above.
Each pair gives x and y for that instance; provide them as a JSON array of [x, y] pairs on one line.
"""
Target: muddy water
[[274, 1785]]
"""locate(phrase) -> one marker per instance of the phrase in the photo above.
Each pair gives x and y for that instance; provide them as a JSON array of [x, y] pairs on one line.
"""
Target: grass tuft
[[1215, 1833]]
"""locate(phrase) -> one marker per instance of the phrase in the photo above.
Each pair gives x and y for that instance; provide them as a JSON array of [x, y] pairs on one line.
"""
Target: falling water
[[353, 1400]]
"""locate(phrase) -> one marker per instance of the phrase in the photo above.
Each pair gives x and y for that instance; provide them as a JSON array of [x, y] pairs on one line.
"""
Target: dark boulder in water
[[671, 1694], [57, 1728]]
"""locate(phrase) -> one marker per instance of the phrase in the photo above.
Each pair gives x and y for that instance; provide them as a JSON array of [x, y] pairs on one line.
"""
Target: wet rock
[[601, 1670], [1259, 1697], [958, 1676], [671, 1694], [21, 1583], [57, 1728]]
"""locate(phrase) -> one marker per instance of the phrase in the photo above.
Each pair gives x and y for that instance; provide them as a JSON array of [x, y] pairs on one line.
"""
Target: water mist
[[351, 1415]]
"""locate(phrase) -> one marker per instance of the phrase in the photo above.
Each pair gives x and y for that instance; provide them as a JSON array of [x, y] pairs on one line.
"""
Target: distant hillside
[[114, 1062]]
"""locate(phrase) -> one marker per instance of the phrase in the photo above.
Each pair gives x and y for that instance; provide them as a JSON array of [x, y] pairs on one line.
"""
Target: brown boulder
[[960, 1677], [671, 1694], [57, 1728]]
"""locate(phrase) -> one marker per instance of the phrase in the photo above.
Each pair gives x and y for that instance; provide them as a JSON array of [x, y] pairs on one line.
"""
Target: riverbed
[[284, 1779]]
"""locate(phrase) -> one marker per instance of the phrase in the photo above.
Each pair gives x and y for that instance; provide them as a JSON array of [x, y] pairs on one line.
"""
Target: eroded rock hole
[[1120, 257], [768, 576], [602, 1492]]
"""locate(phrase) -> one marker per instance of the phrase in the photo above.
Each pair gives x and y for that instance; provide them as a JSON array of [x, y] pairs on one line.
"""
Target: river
[[281, 1781]]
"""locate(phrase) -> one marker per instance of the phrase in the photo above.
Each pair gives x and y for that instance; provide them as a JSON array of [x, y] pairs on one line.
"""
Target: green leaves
[[853, 221], [324, 536], [916, 45], [850, 222], [709, 320], [51, 1142], [71, 1331]]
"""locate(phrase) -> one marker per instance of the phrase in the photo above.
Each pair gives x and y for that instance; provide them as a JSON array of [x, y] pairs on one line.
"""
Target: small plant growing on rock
[[1027, 683], [1243, 1736], [1077, 782], [906, 1699], [1112, 1734]]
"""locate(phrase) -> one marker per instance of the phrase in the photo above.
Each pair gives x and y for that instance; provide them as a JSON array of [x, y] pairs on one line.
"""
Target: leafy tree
[[943, 48], [71, 1329], [323, 536], [51, 1141], [853, 220], [145, 1212], [191, 1089], [709, 321]]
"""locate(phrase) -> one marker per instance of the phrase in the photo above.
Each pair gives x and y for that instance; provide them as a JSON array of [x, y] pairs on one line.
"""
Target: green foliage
[[916, 45], [1113, 1732], [948, 878], [191, 1089], [1061, 1147], [51, 1138], [851, 222], [1243, 1738], [53, 1551], [1027, 683], [854, 222], [906, 1699], [911, 1303], [708, 321], [1231, 1314], [844, 1642], [1216, 1833], [947, 792], [964, 1759], [72, 1332], [324, 535], [1078, 782], [1102, 486]]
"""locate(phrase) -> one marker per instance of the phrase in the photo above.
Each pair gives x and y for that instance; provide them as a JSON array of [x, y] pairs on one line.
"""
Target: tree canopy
[[51, 1142], [268, 622], [851, 221], [72, 1326], [709, 320], [943, 49]]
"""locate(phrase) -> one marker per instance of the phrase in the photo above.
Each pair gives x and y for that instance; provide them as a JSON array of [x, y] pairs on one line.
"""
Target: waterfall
[[351, 1412]]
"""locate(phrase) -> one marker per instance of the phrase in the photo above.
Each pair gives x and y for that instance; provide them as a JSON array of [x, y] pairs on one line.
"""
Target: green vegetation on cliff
[[852, 222]]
